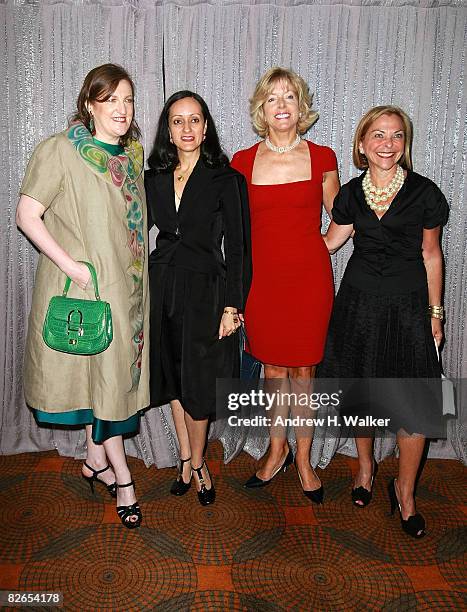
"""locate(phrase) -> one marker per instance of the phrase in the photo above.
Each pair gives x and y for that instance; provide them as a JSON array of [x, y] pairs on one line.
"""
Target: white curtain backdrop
[[353, 54]]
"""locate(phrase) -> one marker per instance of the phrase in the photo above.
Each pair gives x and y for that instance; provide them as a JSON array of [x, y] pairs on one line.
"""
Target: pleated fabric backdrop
[[353, 54]]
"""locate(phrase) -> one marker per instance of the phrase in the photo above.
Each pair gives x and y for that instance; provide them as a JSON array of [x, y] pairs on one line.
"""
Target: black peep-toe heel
[[125, 512], [414, 526]]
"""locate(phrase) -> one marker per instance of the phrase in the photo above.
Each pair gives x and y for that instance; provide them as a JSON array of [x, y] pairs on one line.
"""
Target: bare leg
[[115, 451], [300, 383], [410, 455], [197, 436], [276, 380], [183, 440], [97, 459], [365, 463]]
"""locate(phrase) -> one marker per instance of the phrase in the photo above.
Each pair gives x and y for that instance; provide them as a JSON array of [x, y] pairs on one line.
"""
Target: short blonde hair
[[263, 89], [364, 125]]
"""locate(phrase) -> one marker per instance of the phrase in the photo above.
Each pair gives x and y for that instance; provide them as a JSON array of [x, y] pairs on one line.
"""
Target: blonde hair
[[363, 126], [263, 89]]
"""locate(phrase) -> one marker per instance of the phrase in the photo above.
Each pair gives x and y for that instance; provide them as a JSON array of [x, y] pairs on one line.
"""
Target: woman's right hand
[[229, 324], [79, 274]]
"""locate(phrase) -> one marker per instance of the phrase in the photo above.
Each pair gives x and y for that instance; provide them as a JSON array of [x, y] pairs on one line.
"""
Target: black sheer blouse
[[387, 255]]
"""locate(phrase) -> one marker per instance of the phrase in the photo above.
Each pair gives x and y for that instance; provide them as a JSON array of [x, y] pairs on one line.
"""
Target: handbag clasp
[[75, 321]]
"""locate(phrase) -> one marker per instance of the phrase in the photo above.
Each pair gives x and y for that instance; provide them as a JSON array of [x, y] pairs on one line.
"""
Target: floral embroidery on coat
[[122, 171]]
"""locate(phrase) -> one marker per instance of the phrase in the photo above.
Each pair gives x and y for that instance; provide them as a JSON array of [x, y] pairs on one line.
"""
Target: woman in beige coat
[[82, 199]]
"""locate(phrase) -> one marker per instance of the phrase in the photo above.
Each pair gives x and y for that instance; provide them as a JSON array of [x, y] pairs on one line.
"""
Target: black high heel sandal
[[179, 486], [255, 483], [125, 512], [361, 497], [111, 488], [205, 496], [317, 495], [415, 525]]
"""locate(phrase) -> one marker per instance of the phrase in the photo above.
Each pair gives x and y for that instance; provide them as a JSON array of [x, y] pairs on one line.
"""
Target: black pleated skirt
[[385, 337], [186, 353]]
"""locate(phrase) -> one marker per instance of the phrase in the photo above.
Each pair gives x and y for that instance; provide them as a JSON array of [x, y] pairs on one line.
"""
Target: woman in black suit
[[196, 201]]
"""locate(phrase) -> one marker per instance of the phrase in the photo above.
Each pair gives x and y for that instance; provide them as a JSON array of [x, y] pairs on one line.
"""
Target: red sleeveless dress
[[290, 300]]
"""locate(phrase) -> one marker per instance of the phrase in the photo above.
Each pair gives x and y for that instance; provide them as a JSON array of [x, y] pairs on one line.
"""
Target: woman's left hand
[[437, 330], [229, 324]]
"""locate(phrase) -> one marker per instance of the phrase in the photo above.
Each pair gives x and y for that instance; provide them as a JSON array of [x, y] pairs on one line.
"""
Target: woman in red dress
[[290, 300]]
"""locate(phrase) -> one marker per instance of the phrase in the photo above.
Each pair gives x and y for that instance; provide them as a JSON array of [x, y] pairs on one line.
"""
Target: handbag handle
[[93, 278]]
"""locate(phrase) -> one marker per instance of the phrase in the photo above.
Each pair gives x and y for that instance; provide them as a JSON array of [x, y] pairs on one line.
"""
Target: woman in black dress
[[388, 308], [196, 201]]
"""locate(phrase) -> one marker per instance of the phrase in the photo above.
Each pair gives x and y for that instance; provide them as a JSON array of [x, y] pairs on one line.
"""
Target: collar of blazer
[[197, 183]]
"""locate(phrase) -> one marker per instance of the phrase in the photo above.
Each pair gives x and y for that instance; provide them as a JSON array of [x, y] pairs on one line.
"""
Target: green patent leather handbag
[[78, 327]]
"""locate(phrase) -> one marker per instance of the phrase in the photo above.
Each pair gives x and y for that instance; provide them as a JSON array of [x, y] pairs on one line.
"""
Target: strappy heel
[[179, 486], [111, 488], [415, 525], [255, 483], [205, 496], [125, 512]]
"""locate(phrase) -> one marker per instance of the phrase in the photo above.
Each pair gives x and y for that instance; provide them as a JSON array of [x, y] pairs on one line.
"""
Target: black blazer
[[214, 207]]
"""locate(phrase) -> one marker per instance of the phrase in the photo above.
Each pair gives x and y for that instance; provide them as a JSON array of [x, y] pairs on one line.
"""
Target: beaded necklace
[[374, 195]]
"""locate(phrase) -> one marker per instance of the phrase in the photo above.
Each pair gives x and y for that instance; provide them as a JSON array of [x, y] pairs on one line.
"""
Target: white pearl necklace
[[375, 195], [284, 149]]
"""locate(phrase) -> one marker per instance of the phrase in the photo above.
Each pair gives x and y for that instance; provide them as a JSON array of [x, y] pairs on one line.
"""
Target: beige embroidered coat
[[95, 209]]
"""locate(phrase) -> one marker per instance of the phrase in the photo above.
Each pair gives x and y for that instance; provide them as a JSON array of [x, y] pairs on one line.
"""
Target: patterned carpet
[[266, 550]]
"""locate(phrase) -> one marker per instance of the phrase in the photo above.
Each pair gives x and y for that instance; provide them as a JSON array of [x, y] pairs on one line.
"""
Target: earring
[[170, 138], [91, 121]]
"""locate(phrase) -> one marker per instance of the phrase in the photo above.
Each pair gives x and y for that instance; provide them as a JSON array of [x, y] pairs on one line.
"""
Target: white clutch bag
[[447, 388]]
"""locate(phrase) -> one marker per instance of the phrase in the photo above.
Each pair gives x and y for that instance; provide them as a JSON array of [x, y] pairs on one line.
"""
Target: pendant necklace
[[181, 177]]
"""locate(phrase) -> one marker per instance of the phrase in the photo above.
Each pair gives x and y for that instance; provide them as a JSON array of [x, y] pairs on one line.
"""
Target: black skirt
[[186, 353], [384, 337]]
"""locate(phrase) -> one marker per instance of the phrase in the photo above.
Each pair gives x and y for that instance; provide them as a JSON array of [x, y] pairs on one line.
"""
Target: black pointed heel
[[317, 495], [256, 483], [205, 496], [125, 512], [111, 488], [179, 486], [414, 526]]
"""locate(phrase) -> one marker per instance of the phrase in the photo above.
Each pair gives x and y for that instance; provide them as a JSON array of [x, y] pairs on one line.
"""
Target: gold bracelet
[[436, 312]]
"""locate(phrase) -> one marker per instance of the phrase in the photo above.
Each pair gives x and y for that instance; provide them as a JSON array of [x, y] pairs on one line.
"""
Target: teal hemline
[[101, 430]]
